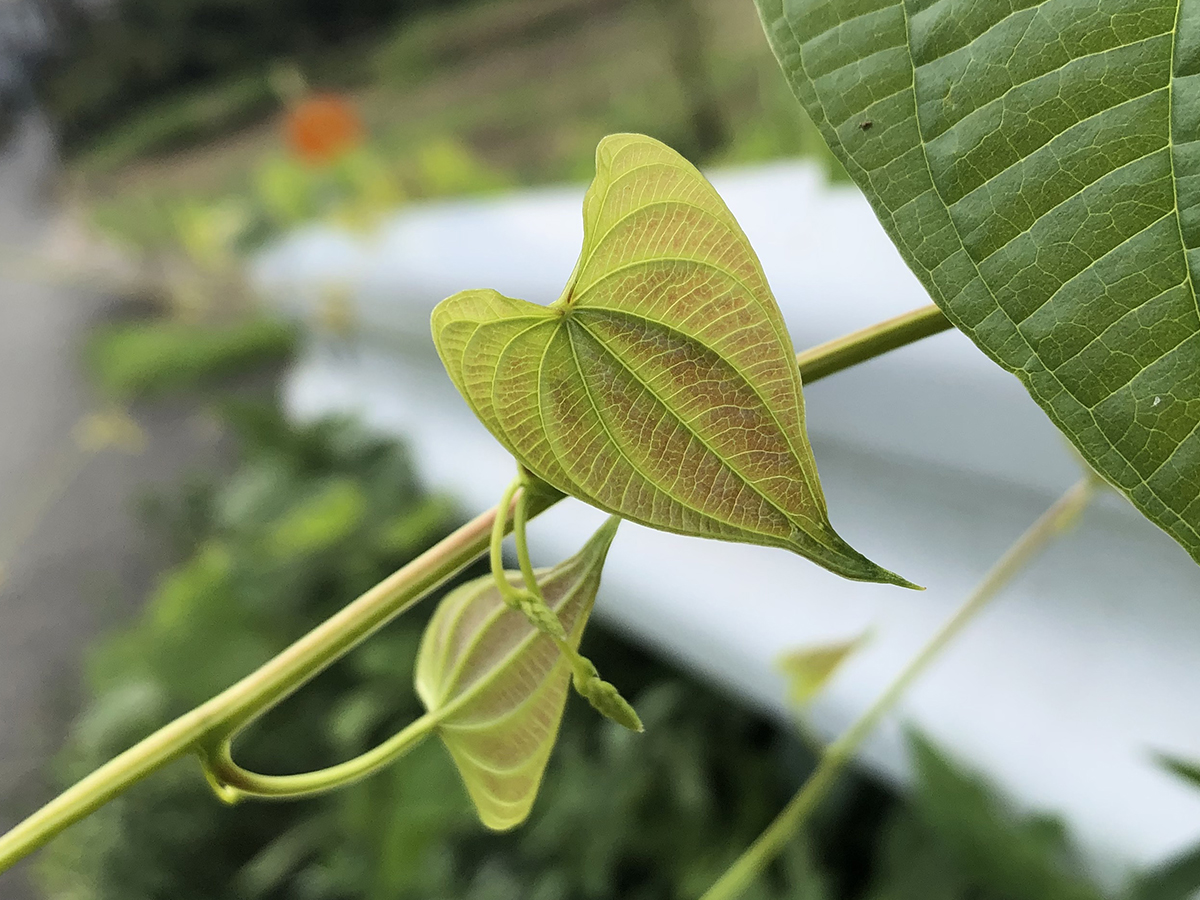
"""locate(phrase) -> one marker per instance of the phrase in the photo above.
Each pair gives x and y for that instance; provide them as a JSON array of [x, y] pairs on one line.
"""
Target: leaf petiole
[[233, 783]]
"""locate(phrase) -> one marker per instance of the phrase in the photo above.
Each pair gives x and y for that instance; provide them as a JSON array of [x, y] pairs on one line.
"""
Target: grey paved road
[[89, 561]]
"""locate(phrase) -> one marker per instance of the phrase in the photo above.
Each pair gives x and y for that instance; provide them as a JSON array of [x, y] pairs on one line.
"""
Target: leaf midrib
[[785, 432], [690, 430], [448, 707]]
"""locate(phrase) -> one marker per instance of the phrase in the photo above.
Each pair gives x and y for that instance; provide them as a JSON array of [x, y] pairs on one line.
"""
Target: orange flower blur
[[322, 127]]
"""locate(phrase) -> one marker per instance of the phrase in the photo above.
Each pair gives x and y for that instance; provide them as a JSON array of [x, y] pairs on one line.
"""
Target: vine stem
[[1036, 538], [860, 346], [204, 728]]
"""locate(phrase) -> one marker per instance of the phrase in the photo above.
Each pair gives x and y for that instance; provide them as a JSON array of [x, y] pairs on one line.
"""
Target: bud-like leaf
[[662, 385], [497, 686], [809, 669]]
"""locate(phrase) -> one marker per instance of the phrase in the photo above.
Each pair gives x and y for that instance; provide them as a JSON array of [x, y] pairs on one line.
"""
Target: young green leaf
[[662, 385], [497, 686], [809, 669], [1037, 165]]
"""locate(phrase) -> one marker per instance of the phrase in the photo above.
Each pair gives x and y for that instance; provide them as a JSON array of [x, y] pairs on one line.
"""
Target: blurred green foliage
[[187, 118], [316, 514], [121, 60], [158, 356], [281, 193], [529, 86]]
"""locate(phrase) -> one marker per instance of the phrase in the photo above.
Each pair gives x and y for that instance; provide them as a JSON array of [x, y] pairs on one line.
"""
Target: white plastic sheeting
[[933, 461]]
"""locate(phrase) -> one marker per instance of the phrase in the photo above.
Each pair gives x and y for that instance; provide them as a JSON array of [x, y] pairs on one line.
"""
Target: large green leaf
[[662, 385], [1037, 162], [497, 686]]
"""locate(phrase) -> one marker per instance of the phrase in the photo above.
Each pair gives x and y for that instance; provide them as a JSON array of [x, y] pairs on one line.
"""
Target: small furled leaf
[[497, 687], [1038, 166], [809, 669], [662, 385]]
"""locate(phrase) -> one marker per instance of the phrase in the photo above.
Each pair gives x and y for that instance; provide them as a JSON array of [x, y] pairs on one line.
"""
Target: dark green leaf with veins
[[662, 385], [1038, 166]]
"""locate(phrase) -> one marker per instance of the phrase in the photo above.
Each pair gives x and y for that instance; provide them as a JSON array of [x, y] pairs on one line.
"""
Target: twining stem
[[500, 527], [1049, 525], [520, 518], [207, 726], [531, 603]]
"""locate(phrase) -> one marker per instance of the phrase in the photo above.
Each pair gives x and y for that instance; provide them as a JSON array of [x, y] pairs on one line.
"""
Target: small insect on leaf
[[497, 687], [662, 385], [866, 125], [809, 669]]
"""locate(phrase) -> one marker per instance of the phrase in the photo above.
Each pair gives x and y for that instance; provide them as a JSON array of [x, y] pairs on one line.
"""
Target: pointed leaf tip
[[662, 385], [497, 687]]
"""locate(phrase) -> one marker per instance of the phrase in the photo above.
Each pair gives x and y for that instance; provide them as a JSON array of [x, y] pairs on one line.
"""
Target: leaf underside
[[1037, 162], [498, 687], [662, 385]]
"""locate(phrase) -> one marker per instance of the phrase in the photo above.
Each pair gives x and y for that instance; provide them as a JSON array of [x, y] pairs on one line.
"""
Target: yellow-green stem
[[860, 346], [209, 725], [1056, 519], [233, 782]]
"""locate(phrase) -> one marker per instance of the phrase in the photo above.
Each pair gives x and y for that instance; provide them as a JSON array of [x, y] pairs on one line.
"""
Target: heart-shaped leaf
[[497, 686], [1038, 166], [662, 385]]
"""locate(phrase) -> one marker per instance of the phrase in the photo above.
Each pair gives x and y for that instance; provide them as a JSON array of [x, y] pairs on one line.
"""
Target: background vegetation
[[170, 112]]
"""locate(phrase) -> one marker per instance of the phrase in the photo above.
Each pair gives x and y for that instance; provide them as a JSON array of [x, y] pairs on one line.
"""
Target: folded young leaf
[[497, 686], [662, 385]]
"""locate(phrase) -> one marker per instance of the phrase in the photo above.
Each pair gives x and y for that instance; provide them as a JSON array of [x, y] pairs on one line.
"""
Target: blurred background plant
[[409, 101], [197, 132]]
